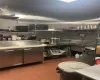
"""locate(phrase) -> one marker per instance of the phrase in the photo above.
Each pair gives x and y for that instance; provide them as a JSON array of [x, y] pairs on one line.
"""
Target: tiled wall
[[90, 35]]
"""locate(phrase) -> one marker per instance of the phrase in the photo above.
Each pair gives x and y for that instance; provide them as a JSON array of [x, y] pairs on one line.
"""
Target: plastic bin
[[67, 70]]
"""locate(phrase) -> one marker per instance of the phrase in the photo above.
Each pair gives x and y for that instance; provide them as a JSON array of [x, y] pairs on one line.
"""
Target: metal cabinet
[[11, 57], [33, 55]]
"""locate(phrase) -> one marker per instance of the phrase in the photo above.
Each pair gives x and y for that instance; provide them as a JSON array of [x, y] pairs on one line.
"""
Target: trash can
[[67, 70], [89, 56]]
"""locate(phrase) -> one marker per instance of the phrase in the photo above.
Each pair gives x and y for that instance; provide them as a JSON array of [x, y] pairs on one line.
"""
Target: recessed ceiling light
[[68, 1]]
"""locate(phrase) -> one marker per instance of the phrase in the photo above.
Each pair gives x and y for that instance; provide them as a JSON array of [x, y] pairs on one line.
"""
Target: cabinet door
[[11, 58], [17, 57], [33, 55], [8, 58], [28, 57], [38, 54]]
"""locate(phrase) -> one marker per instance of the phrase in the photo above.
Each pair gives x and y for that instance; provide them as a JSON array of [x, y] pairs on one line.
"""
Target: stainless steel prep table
[[14, 53], [11, 57], [92, 72]]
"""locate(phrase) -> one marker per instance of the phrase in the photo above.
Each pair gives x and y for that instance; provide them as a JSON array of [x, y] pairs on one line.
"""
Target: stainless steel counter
[[22, 47], [92, 72], [23, 52], [14, 53], [19, 44]]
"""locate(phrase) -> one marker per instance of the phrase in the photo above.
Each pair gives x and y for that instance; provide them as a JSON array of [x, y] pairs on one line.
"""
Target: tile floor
[[45, 71]]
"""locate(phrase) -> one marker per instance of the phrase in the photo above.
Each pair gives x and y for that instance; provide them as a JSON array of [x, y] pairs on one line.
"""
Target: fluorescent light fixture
[[68, 1], [20, 15]]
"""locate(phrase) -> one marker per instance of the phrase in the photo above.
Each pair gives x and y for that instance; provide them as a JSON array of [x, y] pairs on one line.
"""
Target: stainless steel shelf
[[47, 30]]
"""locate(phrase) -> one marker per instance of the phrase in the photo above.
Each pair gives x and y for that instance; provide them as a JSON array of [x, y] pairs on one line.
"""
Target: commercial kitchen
[[49, 39]]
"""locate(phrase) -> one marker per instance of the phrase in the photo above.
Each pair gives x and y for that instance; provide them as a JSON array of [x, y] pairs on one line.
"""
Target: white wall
[[5, 23]]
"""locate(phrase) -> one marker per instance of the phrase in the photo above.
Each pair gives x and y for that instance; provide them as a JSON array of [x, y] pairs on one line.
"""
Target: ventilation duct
[[5, 11]]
